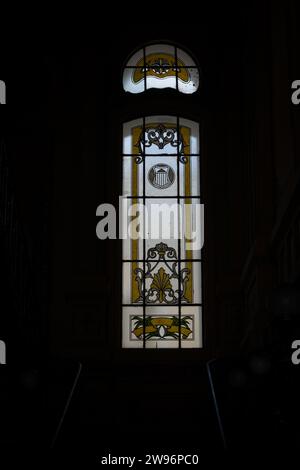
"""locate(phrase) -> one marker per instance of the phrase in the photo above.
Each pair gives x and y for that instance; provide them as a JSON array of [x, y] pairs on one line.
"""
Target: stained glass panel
[[162, 327], [133, 225], [161, 66], [195, 313], [129, 339], [190, 177], [161, 176], [133, 176], [161, 263], [163, 224], [160, 136]]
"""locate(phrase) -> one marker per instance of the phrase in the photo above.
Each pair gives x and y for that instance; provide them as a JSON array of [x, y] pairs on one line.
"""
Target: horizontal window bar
[[175, 197], [161, 154], [147, 304], [180, 67], [152, 260]]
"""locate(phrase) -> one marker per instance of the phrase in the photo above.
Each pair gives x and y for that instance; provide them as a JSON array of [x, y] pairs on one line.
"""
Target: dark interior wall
[[272, 257], [64, 160], [87, 173], [61, 158]]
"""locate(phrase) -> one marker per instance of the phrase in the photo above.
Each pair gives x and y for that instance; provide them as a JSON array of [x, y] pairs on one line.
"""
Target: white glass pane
[[192, 316], [161, 327], [132, 177], [191, 82], [188, 77], [132, 293], [163, 217], [127, 283], [127, 176], [131, 336], [195, 176], [132, 228], [191, 282], [193, 127], [161, 119], [159, 83], [193, 221], [130, 83], [133, 78], [161, 135], [131, 133], [160, 49], [190, 176], [132, 249], [126, 249]]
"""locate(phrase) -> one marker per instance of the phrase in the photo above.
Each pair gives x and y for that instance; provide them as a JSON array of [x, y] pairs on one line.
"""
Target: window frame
[[164, 43], [179, 197], [124, 108]]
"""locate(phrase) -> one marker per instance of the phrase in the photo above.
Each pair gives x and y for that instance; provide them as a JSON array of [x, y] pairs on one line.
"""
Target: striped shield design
[[161, 176]]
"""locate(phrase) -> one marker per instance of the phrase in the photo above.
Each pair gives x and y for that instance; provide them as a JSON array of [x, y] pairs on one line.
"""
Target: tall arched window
[[161, 286]]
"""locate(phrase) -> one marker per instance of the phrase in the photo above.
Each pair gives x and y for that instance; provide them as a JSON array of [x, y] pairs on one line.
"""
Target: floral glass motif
[[162, 327], [161, 66], [161, 279], [160, 289]]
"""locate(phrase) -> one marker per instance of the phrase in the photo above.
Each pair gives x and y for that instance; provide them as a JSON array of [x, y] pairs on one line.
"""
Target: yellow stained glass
[[160, 272], [160, 66]]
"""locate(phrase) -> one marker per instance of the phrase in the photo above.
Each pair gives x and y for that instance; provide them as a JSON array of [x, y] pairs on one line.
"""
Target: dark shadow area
[[68, 387]]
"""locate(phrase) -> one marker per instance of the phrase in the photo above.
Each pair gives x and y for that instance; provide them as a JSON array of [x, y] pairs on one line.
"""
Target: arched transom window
[[160, 66]]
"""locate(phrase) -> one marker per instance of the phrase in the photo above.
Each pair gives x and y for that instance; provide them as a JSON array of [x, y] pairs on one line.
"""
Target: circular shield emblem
[[161, 176]]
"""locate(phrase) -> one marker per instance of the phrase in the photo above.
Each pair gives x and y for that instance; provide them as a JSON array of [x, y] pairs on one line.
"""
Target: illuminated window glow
[[161, 66], [162, 277]]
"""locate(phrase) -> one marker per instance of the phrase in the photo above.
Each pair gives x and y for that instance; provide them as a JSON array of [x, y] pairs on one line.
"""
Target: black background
[[60, 286]]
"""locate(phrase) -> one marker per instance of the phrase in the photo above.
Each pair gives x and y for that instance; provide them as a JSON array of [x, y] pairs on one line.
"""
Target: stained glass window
[[161, 66], [161, 294]]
